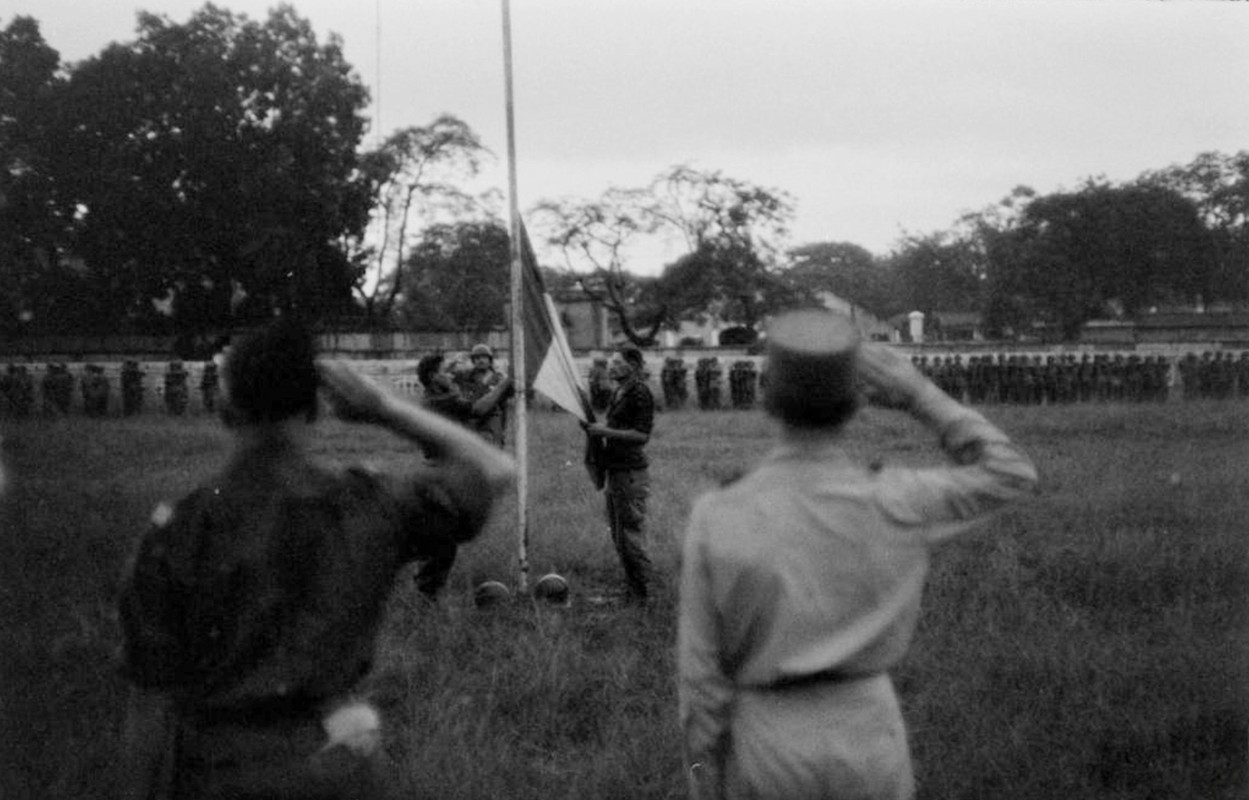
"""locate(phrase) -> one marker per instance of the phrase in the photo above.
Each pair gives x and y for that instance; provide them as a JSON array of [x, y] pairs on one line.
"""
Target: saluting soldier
[[488, 390]]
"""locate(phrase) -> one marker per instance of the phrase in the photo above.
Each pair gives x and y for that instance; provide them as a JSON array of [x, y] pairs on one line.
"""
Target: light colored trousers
[[836, 740]]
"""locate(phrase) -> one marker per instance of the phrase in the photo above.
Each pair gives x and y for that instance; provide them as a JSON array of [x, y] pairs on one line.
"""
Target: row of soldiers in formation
[[1064, 378], [56, 389], [979, 379]]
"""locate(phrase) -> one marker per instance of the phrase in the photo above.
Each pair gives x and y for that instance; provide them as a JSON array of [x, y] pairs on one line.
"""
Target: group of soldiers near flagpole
[[1021, 379]]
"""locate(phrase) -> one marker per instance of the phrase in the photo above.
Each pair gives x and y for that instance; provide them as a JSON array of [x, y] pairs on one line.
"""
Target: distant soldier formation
[[88, 389], [1088, 378], [55, 389]]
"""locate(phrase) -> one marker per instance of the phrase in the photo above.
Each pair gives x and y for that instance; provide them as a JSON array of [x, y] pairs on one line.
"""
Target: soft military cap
[[810, 369]]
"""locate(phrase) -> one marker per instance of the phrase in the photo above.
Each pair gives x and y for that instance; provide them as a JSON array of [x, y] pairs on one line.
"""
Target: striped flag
[[549, 367]]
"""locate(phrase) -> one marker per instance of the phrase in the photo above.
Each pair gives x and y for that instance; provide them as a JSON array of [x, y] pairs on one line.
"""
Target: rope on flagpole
[[517, 322]]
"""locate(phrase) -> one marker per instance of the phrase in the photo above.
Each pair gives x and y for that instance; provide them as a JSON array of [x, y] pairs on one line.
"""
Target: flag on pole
[[549, 366]]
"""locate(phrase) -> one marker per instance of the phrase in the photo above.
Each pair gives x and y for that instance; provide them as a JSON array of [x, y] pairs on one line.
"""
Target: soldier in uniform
[[58, 389], [801, 582], [707, 381], [743, 378], [672, 378], [208, 383], [442, 395], [624, 435], [6, 391], [131, 388], [175, 389], [251, 609], [94, 387], [22, 392], [487, 390]]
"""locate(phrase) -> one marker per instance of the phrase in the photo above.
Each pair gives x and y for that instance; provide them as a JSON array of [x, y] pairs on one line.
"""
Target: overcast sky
[[880, 117]]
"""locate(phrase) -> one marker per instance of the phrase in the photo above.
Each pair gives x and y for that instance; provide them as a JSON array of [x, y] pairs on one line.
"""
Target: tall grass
[[1090, 643]]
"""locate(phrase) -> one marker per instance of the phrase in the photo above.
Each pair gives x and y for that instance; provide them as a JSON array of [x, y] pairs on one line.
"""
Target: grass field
[[1090, 643]]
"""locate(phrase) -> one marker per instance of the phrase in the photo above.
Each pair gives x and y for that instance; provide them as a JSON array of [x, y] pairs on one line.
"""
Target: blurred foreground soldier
[[251, 610], [175, 389], [627, 429], [801, 583], [437, 557], [131, 388], [487, 389]]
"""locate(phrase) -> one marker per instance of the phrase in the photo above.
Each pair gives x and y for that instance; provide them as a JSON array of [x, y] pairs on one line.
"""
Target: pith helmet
[[810, 368], [481, 350]]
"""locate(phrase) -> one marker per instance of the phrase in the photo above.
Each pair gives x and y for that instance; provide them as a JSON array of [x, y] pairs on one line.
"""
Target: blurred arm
[[469, 461], [990, 470]]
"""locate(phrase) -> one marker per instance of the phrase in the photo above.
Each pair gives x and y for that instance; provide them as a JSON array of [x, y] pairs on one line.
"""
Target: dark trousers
[[626, 492], [434, 567]]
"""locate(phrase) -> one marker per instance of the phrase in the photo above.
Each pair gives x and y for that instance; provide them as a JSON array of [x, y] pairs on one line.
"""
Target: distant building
[[1197, 327], [585, 320], [940, 326]]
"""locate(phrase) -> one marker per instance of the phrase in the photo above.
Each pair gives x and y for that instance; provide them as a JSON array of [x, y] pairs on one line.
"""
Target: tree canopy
[[208, 173], [210, 167]]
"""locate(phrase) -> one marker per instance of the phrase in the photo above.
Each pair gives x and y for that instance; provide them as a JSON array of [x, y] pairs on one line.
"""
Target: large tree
[[1219, 186], [1074, 256], [457, 277], [729, 282], [707, 206], [213, 165], [849, 271], [33, 228], [593, 237], [940, 271], [417, 177]]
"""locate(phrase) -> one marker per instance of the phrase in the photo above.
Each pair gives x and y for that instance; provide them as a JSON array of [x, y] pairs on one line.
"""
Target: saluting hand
[[891, 374]]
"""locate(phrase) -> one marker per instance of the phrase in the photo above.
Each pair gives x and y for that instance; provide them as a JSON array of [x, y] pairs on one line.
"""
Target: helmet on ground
[[490, 593], [551, 588]]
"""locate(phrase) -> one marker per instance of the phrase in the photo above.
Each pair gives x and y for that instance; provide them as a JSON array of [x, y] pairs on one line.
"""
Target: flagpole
[[517, 322]]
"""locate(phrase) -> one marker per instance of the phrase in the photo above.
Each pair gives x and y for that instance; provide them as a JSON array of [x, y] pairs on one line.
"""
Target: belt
[[822, 677]]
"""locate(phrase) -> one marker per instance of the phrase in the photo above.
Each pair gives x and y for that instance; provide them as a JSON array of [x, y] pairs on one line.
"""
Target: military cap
[[810, 368]]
